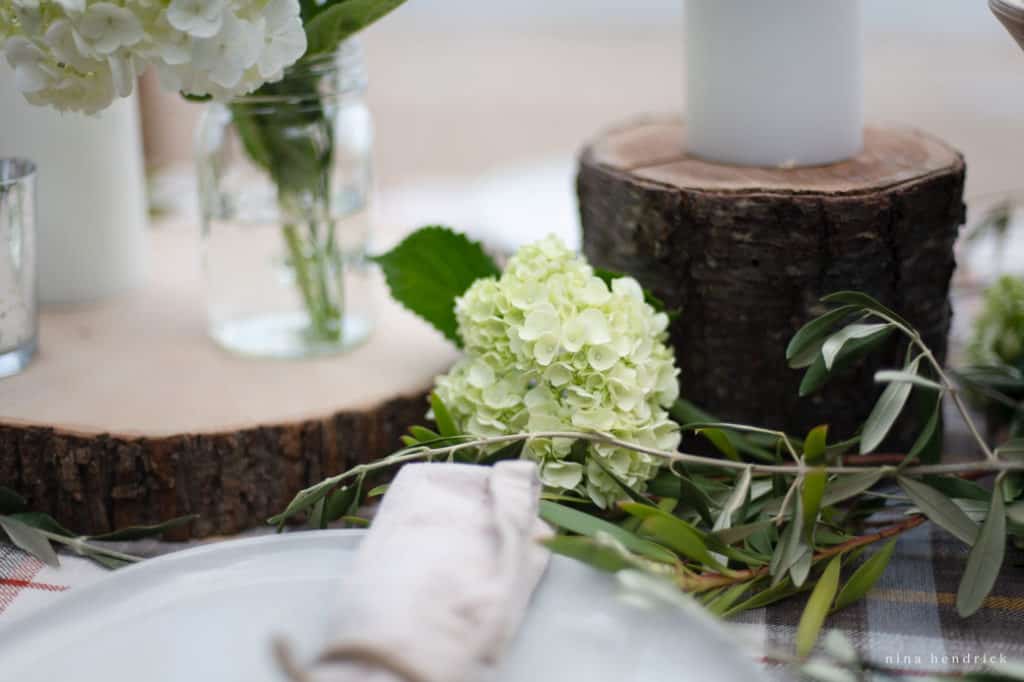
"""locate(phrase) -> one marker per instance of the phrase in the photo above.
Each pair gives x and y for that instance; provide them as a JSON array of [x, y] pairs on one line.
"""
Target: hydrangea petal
[[561, 475]]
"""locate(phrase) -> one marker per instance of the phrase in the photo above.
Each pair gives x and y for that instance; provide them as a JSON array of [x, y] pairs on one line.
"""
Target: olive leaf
[[691, 494], [581, 523], [510, 451], [801, 568], [674, 533], [816, 444], [442, 417], [423, 435], [984, 560], [958, 488], [940, 509], [721, 442], [731, 536], [303, 501], [818, 606], [777, 592], [811, 492], [851, 485], [735, 501], [806, 344], [689, 415], [865, 302], [597, 555], [141, 532], [834, 344], [726, 599], [865, 577], [791, 546], [341, 503], [925, 439], [42, 521], [817, 375], [1015, 513], [30, 540], [886, 411], [1011, 448], [893, 376]]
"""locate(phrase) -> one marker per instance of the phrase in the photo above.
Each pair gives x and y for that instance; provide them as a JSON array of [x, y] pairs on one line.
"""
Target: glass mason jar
[[19, 324], [284, 185]]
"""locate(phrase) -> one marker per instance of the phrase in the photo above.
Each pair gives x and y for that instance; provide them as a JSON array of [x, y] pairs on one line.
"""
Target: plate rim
[[20, 628]]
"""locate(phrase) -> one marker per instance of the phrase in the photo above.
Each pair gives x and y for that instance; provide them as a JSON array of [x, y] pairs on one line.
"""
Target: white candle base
[[774, 83], [92, 220]]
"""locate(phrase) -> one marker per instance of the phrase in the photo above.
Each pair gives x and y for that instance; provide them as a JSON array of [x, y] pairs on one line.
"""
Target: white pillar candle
[[91, 225], [774, 82]]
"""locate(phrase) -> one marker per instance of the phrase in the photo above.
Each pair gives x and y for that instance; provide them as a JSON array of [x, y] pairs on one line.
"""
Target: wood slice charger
[[131, 415], [746, 253]]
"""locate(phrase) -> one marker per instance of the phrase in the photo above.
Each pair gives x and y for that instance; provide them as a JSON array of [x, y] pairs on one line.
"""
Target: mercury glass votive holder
[[19, 323]]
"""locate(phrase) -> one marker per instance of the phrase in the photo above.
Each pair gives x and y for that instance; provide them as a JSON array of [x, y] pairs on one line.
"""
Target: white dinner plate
[[211, 612]]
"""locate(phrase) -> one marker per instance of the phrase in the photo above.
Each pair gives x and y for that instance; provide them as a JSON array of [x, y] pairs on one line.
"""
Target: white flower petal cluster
[[550, 347], [80, 55]]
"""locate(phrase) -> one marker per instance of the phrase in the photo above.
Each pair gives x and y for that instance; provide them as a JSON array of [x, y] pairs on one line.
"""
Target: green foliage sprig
[[37, 532], [777, 515]]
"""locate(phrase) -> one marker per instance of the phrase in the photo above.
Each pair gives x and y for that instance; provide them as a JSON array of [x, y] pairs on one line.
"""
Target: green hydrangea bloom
[[999, 329], [551, 347]]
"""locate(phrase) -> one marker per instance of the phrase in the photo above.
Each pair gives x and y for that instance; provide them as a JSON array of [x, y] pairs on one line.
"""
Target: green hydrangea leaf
[[430, 269]]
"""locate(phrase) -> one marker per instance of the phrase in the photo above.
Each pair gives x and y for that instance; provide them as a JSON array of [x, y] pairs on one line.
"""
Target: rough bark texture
[[747, 253], [232, 480]]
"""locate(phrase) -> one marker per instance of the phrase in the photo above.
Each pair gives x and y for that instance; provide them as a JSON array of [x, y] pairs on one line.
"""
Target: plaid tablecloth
[[908, 621]]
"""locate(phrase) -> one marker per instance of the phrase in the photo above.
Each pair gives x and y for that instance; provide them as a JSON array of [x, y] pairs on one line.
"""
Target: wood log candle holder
[[746, 253]]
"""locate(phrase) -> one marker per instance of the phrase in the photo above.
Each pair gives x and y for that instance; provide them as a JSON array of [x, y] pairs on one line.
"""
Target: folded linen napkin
[[443, 578]]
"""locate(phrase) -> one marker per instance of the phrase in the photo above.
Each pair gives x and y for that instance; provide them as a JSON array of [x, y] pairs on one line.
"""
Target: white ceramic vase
[[776, 83], [91, 226]]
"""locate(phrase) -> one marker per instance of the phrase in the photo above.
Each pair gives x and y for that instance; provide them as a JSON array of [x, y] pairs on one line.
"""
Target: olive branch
[[778, 515]]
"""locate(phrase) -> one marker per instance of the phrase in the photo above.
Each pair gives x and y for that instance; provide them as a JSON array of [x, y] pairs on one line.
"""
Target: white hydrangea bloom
[[550, 347], [80, 55]]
